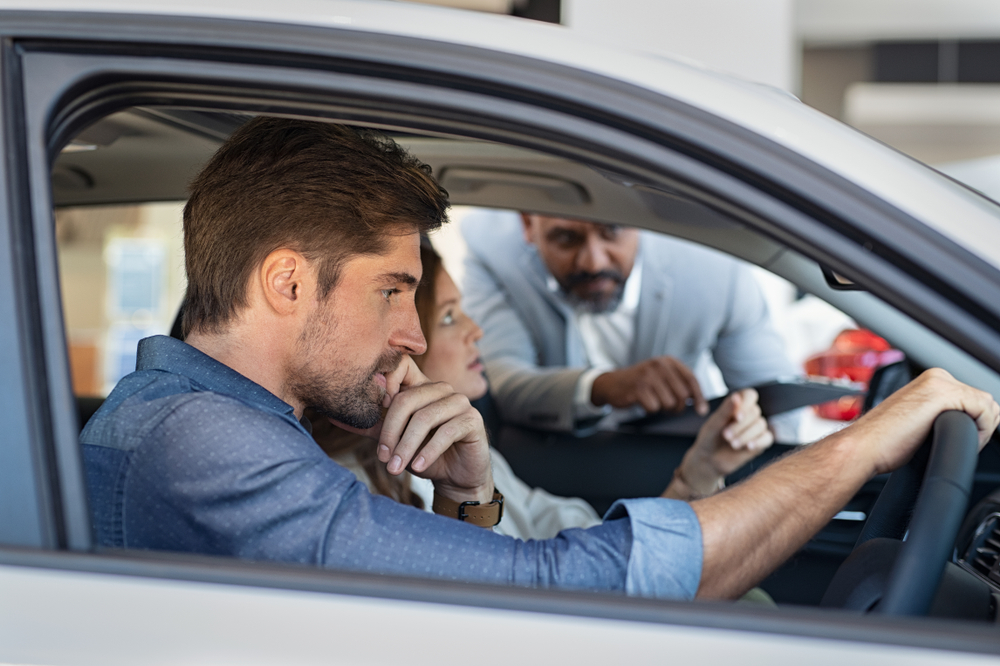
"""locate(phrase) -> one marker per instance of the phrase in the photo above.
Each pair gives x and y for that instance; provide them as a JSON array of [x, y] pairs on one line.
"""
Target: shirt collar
[[171, 355]]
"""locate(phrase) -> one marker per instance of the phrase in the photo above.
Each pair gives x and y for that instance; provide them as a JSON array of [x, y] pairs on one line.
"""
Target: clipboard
[[775, 397]]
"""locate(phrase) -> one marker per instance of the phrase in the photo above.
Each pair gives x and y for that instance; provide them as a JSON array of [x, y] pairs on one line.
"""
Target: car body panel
[[160, 617]]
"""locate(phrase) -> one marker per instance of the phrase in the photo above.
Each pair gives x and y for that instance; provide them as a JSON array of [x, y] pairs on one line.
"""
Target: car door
[[64, 601]]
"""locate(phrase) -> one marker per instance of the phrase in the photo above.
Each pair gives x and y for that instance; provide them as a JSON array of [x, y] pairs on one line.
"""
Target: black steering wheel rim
[[939, 504]]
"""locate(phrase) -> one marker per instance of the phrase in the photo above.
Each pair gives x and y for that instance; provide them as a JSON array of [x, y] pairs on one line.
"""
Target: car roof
[[966, 218]]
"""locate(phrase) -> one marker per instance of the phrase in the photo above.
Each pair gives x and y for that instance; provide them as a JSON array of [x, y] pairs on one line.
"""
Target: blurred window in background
[[122, 279]]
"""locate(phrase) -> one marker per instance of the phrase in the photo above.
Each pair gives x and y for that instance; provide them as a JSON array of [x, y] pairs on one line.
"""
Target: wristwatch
[[477, 513]]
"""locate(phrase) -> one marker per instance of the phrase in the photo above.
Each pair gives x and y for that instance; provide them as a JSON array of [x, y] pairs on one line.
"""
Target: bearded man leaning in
[[302, 253], [593, 324]]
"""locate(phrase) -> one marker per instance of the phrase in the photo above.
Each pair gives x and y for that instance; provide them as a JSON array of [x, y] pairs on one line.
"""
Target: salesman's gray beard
[[594, 304]]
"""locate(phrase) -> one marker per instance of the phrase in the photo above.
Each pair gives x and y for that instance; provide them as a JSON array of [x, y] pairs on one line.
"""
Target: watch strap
[[477, 513]]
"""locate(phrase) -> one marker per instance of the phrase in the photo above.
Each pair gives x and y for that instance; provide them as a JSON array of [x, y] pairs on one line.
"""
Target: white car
[[110, 102]]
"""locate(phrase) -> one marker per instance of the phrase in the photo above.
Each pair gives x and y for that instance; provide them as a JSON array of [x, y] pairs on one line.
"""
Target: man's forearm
[[538, 397], [482, 493], [751, 528]]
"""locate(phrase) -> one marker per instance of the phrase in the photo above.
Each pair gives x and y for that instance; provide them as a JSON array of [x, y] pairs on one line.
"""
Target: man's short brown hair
[[327, 191]]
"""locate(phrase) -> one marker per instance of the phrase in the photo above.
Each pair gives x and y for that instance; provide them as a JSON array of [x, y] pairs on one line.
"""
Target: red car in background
[[855, 355]]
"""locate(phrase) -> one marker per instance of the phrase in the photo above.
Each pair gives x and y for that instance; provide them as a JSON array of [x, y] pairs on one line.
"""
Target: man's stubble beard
[[345, 394]]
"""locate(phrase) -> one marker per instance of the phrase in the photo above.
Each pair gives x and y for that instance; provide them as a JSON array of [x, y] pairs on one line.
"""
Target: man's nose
[[407, 336], [593, 255]]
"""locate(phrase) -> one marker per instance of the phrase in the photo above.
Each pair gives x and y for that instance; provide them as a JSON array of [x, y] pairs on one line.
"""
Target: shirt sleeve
[[533, 513], [219, 478], [666, 556], [749, 350], [582, 406]]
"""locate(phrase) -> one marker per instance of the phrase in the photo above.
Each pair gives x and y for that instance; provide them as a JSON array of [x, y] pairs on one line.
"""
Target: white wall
[[751, 39], [846, 21]]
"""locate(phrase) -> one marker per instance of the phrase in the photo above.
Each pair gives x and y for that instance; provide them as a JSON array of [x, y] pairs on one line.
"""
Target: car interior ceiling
[[166, 147]]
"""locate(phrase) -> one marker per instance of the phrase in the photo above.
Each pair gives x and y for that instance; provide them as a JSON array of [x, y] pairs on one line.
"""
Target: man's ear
[[526, 222], [285, 278]]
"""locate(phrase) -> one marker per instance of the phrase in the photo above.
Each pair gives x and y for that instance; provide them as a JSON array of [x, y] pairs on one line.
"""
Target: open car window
[[121, 271]]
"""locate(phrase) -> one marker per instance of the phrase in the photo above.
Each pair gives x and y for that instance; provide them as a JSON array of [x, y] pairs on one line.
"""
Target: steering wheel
[[890, 577]]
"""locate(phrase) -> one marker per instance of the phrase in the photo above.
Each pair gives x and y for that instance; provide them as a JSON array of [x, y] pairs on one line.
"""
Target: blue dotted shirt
[[188, 455]]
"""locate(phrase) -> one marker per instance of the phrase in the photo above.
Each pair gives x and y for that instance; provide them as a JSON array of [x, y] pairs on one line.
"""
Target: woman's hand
[[733, 435]]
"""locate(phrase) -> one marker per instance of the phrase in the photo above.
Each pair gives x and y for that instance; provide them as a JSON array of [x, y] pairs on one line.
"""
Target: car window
[[121, 271], [807, 325]]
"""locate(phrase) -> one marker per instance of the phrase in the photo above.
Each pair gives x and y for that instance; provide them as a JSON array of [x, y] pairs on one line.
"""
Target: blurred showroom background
[[922, 76]]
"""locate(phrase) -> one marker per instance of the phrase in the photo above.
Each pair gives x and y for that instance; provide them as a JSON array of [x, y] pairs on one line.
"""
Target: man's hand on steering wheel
[[751, 528], [900, 423]]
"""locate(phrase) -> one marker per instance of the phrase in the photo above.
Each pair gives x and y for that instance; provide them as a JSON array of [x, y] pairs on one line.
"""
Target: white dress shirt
[[607, 340]]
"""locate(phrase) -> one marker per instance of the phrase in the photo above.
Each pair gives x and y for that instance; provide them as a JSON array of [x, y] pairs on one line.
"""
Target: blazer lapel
[[537, 274]]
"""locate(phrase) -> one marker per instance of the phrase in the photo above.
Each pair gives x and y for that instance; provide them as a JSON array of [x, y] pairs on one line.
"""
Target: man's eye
[[566, 239], [387, 293], [448, 319]]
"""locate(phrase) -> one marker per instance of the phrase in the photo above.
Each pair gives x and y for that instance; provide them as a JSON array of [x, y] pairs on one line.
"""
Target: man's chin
[[361, 421], [357, 416], [596, 303]]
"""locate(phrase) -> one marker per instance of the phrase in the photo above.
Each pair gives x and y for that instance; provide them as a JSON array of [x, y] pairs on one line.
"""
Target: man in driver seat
[[302, 254]]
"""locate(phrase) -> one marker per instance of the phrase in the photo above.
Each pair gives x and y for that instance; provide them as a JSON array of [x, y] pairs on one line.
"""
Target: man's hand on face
[[436, 433], [733, 435], [656, 384]]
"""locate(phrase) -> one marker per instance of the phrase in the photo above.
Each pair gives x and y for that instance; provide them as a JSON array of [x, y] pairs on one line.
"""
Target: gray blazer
[[694, 304]]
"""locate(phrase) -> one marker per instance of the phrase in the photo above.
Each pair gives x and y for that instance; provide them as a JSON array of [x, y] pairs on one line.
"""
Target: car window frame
[[46, 129], [27, 515]]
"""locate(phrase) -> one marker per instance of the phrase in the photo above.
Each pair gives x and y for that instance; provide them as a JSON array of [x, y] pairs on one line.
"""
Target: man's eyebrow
[[404, 278]]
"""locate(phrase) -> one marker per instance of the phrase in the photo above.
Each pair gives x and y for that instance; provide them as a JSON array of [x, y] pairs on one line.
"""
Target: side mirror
[[838, 282]]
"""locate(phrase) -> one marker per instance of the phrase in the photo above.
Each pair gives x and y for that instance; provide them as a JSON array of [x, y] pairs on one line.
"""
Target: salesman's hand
[[900, 423], [435, 432], [659, 383], [733, 435]]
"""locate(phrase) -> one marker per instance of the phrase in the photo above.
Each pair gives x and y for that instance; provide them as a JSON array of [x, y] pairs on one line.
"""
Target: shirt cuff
[[582, 406], [787, 426], [666, 556]]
